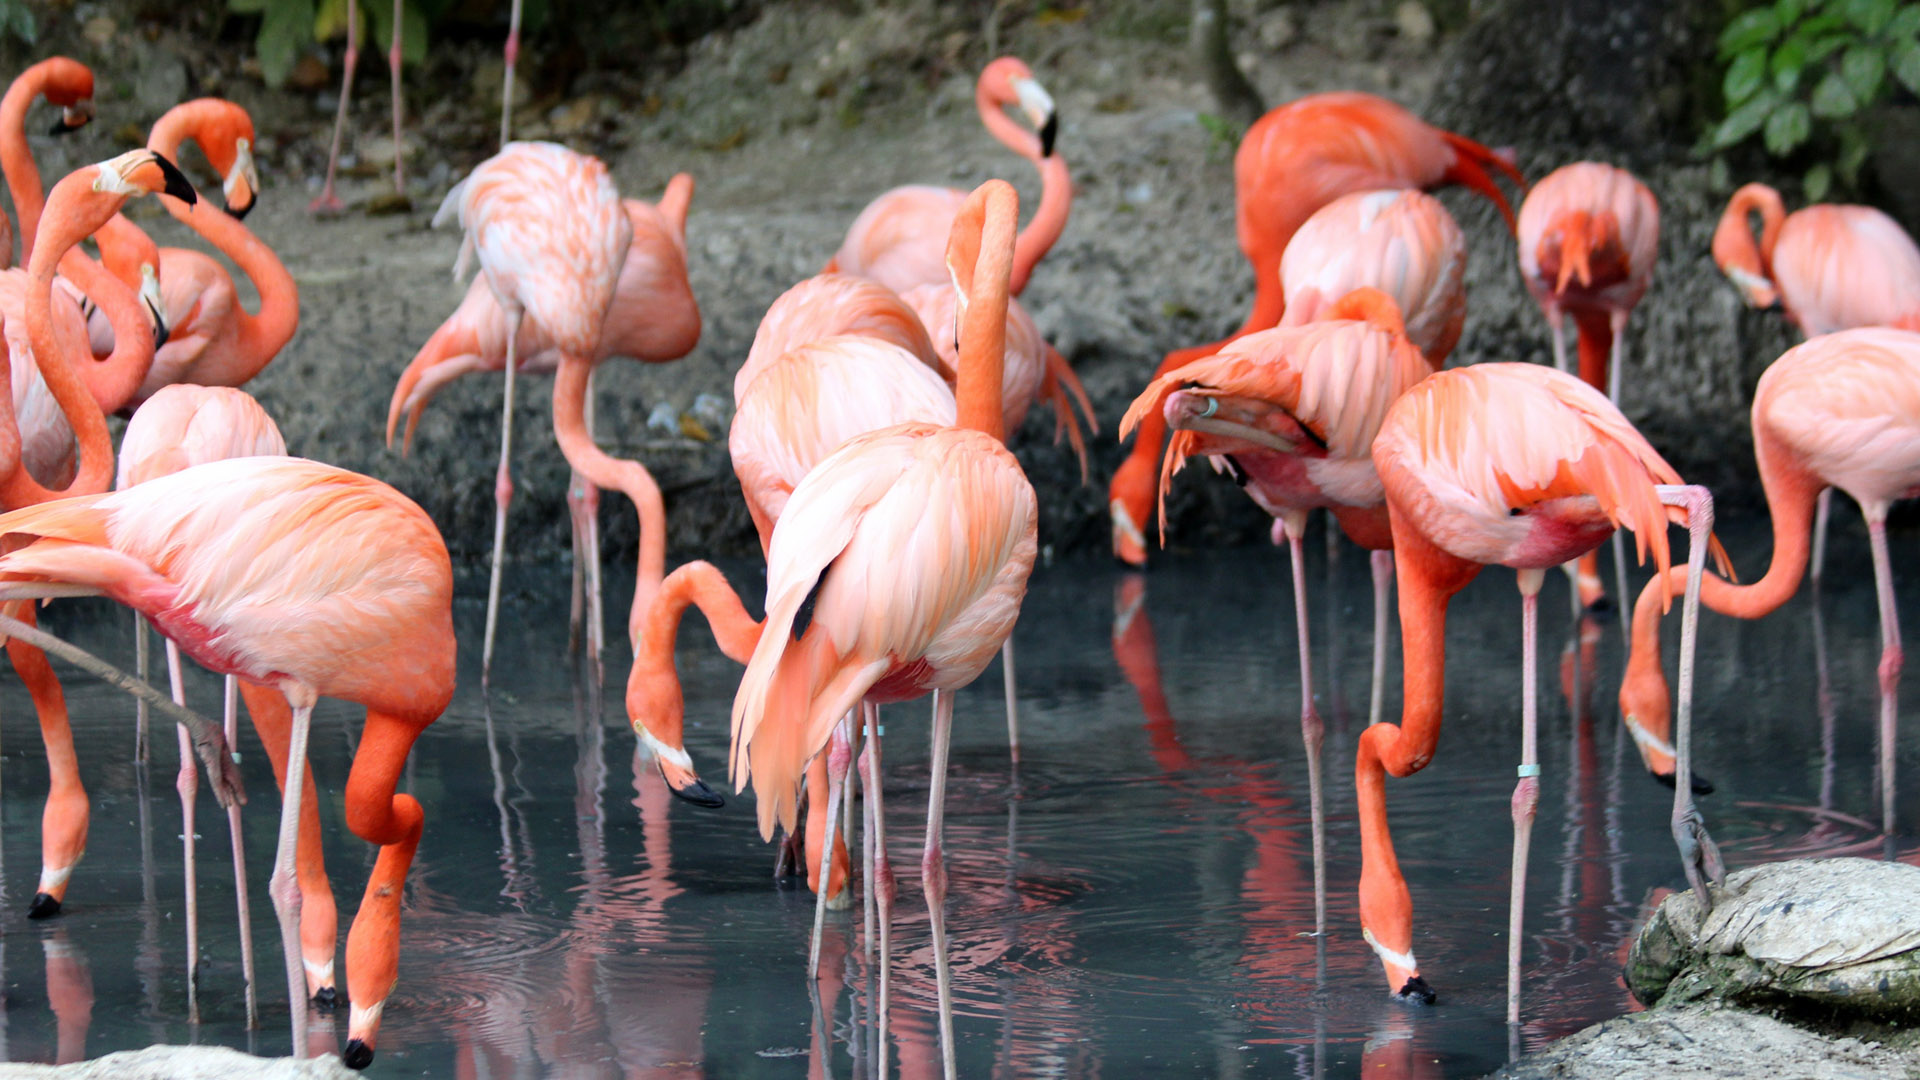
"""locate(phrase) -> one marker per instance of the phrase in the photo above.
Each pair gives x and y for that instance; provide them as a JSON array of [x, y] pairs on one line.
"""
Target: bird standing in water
[[1512, 465]]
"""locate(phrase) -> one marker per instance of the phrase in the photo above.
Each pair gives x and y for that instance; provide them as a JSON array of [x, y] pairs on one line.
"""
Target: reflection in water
[[1136, 900]]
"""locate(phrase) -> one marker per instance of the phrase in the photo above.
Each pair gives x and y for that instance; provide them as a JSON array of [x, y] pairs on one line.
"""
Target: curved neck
[[983, 336], [1773, 214], [1426, 578], [1049, 220], [111, 382], [629, 477], [700, 584], [1792, 493], [16, 157], [82, 412], [257, 337], [1004, 127]]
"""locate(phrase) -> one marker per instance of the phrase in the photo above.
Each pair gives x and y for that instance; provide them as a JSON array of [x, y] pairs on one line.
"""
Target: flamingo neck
[[1003, 127], [1426, 579], [1049, 220], [702, 585], [1596, 346], [114, 381], [1773, 214], [1791, 495], [606, 471], [16, 157], [983, 334], [57, 365], [258, 338]]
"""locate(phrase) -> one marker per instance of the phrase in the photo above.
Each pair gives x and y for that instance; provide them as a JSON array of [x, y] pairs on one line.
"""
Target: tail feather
[[1058, 383], [1470, 164], [79, 520], [99, 569]]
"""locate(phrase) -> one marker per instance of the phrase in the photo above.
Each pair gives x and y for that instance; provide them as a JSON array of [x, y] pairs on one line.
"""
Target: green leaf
[[413, 27], [1749, 28], [1745, 120], [1871, 16], [1744, 76], [1833, 98], [1819, 181], [1905, 22], [1788, 11], [1854, 148], [1788, 61], [1906, 64], [1864, 67], [286, 29], [330, 20], [1827, 46], [1787, 128]]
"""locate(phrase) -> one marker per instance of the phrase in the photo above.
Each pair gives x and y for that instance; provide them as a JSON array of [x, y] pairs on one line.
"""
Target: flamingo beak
[[677, 769], [242, 181], [1038, 105], [150, 293], [74, 117], [1757, 290]]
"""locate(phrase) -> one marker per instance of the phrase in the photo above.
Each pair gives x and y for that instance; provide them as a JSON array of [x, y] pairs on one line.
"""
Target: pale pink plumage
[[832, 305], [47, 445], [1402, 242], [1839, 267], [938, 307], [183, 425], [1847, 405], [1619, 222]]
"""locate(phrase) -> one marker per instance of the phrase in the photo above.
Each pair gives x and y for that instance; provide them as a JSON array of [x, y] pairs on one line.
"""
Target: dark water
[[1133, 904]]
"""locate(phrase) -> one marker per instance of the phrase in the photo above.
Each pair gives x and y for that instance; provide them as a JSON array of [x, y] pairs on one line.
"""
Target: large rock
[[1708, 1042], [1841, 934], [184, 1063]]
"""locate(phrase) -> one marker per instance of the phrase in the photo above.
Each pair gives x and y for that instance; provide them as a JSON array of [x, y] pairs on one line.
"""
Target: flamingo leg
[[187, 783], [511, 54], [1312, 731], [328, 202], [933, 872], [1382, 589], [63, 823], [502, 495], [142, 667], [1526, 792], [864, 764], [1698, 853], [590, 497], [1821, 513], [1557, 329], [1013, 709], [1891, 660], [393, 64], [839, 756], [282, 887], [880, 884], [230, 716], [319, 919]]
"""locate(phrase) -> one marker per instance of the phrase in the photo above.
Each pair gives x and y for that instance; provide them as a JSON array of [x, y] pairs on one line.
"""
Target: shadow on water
[[1136, 900]]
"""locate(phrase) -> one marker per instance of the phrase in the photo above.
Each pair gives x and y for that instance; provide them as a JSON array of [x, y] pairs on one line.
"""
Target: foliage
[[17, 22], [1802, 74], [289, 27], [1223, 135]]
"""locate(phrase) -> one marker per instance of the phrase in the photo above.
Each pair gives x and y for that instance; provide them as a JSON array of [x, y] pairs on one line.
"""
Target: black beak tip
[[699, 794], [178, 185], [1700, 785], [43, 907], [61, 127], [358, 1055], [160, 332], [1416, 992], [241, 213], [1047, 131]]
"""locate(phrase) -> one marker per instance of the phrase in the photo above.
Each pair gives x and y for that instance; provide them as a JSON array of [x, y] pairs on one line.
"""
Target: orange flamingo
[[914, 544], [81, 203], [1589, 234], [1293, 161], [1841, 410], [653, 318], [1829, 267], [63, 82], [179, 427], [900, 238], [213, 341], [1290, 413], [305, 581], [328, 202], [551, 234], [1514, 465]]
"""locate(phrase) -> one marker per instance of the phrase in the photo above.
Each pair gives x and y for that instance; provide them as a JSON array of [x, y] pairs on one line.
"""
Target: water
[[1133, 903]]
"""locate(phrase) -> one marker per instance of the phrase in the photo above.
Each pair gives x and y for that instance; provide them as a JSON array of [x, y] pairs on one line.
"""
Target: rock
[[1415, 21], [98, 31], [1278, 29], [184, 1063], [1843, 934], [160, 82], [1706, 1042], [377, 150], [487, 77]]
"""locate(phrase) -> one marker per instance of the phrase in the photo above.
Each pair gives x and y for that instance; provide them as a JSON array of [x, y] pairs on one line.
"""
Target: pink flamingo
[[63, 82], [179, 427], [1514, 465], [1589, 235], [1829, 266], [1398, 240], [900, 238], [1293, 161], [914, 544], [305, 580], [1290, 413], [653, 318], [1841, 410]]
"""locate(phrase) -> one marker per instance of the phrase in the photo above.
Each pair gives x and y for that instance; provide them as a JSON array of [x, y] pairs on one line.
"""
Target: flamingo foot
[[1698, 854], [1416, 992], [326, 999], [358, 1055], [44, 906], [327, 205]]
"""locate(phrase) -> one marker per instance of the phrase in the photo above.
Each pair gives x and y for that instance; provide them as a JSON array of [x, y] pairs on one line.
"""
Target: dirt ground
[[790, 124]]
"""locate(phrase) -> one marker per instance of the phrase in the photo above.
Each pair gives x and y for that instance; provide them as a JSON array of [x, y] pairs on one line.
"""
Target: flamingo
[[328, 202], [1829, 267], [654, 318], [1398, 240], [1589, 235], [1514, 465], [304, 580], [179, 427], [63, 82], [914, 544], [1841, 410], [1290, 414], [1292, 161], [551, 234], [900, 238], [30, 439]]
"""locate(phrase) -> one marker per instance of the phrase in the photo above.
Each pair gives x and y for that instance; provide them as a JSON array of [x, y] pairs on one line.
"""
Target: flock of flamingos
[[868, 436]]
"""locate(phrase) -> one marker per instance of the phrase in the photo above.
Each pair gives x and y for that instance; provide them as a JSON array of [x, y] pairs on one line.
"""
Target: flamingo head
[[1734, 249], [656, 711], [69, 84], [1007, 81]]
